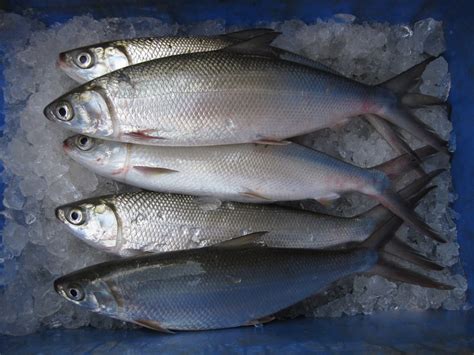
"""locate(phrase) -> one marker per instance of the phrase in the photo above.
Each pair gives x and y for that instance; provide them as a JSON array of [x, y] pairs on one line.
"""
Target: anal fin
[[329, 200], [151, 324], [150, 170]]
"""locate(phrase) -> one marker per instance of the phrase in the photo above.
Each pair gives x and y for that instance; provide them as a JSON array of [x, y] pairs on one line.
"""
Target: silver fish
[[228, 96], [243, 173], [132, 223], [89, 62], [239, 282]]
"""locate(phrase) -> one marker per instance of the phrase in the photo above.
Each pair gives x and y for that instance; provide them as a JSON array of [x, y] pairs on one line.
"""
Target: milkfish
[[242, 173], [132, 223], [240, 94], [236, 283]]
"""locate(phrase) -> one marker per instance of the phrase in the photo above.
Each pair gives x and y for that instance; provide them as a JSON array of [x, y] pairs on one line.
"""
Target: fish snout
[[59, 213], [61, 62], [59, 287], [67, 145], [48, 113]]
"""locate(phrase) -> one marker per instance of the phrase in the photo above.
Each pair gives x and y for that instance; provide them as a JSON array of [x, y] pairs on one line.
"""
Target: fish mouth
[[48, 113], [66, 146], [62, 61], [59, 288], [59, 213]]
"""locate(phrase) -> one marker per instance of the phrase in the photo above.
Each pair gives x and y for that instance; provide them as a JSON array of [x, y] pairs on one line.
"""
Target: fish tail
[[409, 79], [390, 248], [411, 193], [392, 136], [398, 113], [392, 271], [404, 163], [403, 118], [401, 250], [393, 201]]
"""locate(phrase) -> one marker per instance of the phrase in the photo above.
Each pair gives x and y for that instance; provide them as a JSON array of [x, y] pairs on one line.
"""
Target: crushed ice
[[35, 249]]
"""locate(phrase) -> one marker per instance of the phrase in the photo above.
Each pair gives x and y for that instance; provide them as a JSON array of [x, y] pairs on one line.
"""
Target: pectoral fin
[[147, 134], [255, 195], [150, 170], [150, 324]]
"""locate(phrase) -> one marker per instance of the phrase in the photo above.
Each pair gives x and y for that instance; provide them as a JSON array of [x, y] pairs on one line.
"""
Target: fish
[[130, 224], [243, 173], [90, 62], [240, 94], [239, 282]]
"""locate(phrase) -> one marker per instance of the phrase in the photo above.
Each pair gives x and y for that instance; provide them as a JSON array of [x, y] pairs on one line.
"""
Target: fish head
[[87, 63], [83, 110], [105, 158], [87, 289], [93, 221]]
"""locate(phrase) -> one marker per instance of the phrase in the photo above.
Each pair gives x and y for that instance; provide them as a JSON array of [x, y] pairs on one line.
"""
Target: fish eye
[[64, 111], [84, 142], [75, 292], [84, 60], [75, 216]]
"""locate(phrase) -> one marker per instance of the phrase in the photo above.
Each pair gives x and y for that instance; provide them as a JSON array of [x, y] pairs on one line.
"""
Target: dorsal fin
[[252, 239], [257, 46], [245, 35]]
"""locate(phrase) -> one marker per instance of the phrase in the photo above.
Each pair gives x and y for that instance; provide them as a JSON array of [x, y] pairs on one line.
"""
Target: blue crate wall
[[385, 330]]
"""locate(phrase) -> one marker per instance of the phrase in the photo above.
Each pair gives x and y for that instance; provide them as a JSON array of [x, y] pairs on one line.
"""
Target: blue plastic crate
[[394, 332]]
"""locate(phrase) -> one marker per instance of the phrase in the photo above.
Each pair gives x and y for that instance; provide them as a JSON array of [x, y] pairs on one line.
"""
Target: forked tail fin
[[409, 193], [404, 118], [381, 190], [393, 137], [395, 272], [407, 80], [403, 251], [395, 203], [400, 115], [381, 241], [404, 163]]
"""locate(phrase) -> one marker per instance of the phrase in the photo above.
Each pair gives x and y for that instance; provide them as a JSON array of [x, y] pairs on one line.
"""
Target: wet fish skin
[[209, 289], [154, 222], [242, 173], [103, 58], [213, 98]]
